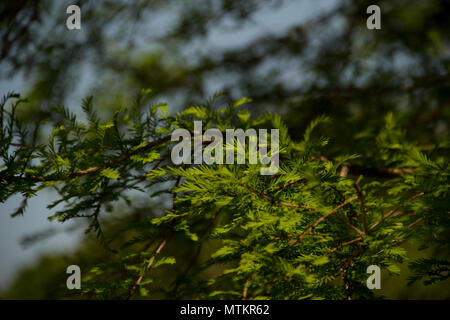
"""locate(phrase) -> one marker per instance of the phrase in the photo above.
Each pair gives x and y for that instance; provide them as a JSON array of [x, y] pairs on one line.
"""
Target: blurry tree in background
[[327, 64]]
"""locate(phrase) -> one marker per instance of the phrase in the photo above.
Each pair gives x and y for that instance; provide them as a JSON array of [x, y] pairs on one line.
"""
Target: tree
[[309, 231], [376, 182]]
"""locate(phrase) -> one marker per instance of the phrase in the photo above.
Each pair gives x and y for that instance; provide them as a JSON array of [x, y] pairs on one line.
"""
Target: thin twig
[[318, 221], [363, 207], [277, 204], [345, 268], [245, 291], [393, 211], [343, 245], [158, 249], [97, 168], [361, 233], [149, 265]]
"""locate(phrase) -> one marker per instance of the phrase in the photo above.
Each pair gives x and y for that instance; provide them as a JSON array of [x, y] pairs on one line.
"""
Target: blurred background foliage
[[327, 62]]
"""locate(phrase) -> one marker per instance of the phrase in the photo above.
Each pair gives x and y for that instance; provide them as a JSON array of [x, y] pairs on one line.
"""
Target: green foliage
[[309, 231], [433, 270]]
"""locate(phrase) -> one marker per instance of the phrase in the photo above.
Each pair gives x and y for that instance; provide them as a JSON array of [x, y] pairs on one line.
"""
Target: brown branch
[[150, 243], [393, 211], [330, 252], [245, 291], [338, 248], [361, 233], [97, 168], [343, 245], [345, 268], [158, 249], [357, 170], [345, 168], [318, 221], [290, 235], [288, 184], [120, 159], [277, 204], [363, 207], [149, 265], [412, 224]]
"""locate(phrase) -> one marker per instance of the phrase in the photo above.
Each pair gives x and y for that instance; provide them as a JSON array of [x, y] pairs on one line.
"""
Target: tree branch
[[318, 221], [149, 265], [393, 211], [277, 204], [363, 207], [97, 168]]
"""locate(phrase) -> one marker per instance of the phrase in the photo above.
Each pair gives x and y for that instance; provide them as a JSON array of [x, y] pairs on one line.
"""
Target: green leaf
[[241, 101], [393, 268], [165, 260], [243, 115], [110, 173]]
